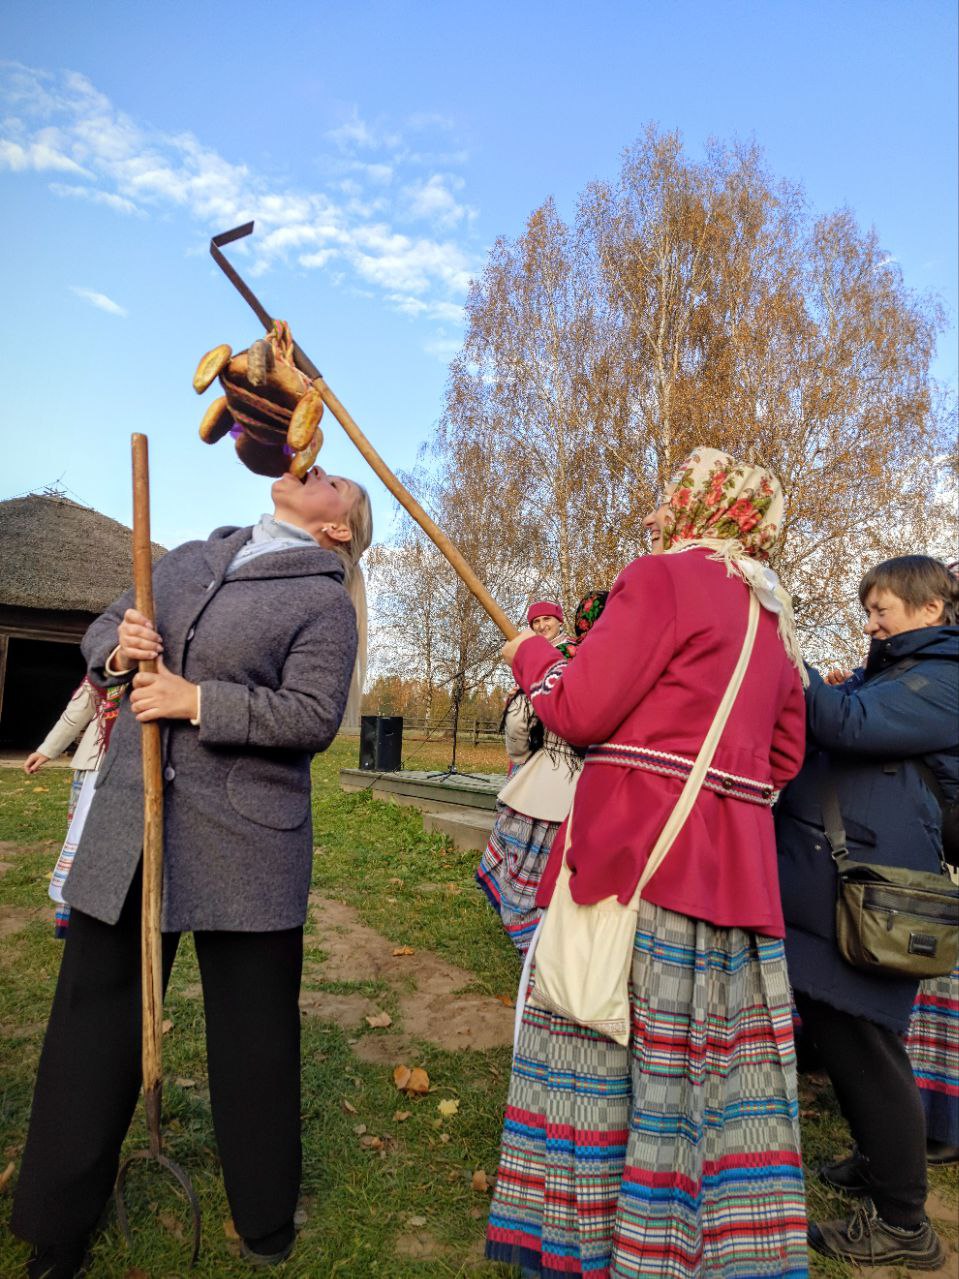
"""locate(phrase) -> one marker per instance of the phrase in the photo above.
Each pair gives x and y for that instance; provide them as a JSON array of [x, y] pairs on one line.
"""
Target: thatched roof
[[57, 554]]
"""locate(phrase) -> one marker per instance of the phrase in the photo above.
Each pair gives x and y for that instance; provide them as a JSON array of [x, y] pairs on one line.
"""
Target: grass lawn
[[388, 1181]]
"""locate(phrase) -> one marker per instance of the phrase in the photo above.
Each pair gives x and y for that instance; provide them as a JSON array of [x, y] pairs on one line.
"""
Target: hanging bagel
[[269, 406]]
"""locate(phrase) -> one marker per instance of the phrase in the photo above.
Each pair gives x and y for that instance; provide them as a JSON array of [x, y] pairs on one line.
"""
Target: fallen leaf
[[170, 1223], [360, 1129], [167, 1026], [6, 1174], [508, 1000], [448, 1107], [300, 1217], [404, 950], [419, 1081], [379, 1020], [476, 1213], [411, 1081], [400, 1116], [371, 1143], [401, 1076], [396, 880], [444, 1137], [480, 1180], [416, 1222], [229, 1229], [185, 1083], [348, 1107], [40, 790]]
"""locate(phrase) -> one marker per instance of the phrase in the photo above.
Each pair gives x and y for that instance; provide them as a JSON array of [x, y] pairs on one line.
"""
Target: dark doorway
[[41, 675]]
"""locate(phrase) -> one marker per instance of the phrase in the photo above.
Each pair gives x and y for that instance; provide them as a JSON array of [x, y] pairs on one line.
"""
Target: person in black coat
[[866, 736]]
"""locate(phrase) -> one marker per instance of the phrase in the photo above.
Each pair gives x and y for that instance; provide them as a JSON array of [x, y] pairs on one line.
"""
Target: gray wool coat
[[272, 650]]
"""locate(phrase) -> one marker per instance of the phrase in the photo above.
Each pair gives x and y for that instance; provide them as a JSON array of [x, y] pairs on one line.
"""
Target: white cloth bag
[[584, 953]]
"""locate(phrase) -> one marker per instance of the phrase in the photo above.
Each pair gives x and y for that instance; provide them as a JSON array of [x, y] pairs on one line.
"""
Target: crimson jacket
[[643, 691]]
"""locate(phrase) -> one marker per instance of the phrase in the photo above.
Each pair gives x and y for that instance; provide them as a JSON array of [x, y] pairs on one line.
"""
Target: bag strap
[[677, 818], [832, 817]]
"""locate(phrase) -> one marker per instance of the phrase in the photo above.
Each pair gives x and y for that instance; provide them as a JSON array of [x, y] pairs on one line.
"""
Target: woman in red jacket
[[678, 1156]]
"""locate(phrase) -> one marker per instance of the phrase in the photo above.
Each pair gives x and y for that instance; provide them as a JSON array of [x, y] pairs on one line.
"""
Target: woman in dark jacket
[[868, 738], [256, 641]]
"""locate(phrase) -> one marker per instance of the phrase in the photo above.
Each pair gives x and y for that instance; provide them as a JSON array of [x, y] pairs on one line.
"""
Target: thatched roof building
[[61, 564]]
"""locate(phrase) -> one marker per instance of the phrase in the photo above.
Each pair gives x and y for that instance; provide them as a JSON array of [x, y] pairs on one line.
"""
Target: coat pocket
[[270, 792]]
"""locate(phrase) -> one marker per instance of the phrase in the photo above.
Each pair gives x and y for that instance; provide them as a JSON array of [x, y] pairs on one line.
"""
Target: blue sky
[[381, 148]]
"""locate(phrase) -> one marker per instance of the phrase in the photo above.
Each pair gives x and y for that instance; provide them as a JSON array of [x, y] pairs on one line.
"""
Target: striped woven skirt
[[78, 805], [932, 1041], [678, 1156], [511, 868]]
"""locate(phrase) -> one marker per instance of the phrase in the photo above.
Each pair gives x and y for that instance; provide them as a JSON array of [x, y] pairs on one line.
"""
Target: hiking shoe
[[59, 1261], [270, 1250], [938, 1152], [869, 1241], [850, 1176]]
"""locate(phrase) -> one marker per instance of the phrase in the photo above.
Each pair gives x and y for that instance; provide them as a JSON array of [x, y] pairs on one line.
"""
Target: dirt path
[[425, 986]]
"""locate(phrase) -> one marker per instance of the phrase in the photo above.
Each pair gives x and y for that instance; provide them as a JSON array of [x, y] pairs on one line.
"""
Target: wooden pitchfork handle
[[398, 489], [151, 956], [150, 952]]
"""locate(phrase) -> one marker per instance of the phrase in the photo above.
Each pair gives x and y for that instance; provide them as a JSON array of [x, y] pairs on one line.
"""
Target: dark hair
[[916, 580]]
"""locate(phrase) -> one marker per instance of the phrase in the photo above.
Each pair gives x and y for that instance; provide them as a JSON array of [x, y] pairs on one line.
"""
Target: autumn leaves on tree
[[689, 302]]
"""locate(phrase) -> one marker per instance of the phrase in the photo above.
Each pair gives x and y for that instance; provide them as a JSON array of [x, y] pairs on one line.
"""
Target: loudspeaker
[[368, 741], [389, 743], [381, 743]]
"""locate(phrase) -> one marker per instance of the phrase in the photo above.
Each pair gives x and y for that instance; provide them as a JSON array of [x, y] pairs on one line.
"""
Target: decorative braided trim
[[668, 765], [544, 686]]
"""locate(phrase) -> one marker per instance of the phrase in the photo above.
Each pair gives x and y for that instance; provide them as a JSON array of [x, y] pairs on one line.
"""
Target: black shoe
[[850, 1176], [869, 1241], [938, 1153], [269, 1250], [59, 1261]]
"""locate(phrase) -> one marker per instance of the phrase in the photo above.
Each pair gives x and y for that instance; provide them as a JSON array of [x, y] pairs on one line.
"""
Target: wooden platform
[[462, 808]]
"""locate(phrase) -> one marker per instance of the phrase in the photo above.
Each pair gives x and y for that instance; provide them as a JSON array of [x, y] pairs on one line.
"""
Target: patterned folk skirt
[[678, 1156], [511, 868], [932, 1041], [78, 805]]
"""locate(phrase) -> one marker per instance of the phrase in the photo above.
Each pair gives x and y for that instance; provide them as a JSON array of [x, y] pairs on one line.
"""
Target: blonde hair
[[360, 521]]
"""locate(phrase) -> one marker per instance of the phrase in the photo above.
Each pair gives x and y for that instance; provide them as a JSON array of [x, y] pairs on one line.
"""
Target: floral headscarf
[[714, 496], [588, 612], [735, 511]]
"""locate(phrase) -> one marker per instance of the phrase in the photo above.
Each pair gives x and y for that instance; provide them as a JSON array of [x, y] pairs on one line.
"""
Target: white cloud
[[356, 132], [445, 312], [99, 300], [106, 198], [433, 200], [61, 123], [36, 155]]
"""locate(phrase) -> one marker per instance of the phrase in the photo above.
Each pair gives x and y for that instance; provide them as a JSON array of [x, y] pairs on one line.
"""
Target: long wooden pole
[[410, 504], [150, 944]]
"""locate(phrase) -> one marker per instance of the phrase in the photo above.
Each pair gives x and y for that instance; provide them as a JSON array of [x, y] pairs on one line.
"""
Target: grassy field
[[388, 1180]]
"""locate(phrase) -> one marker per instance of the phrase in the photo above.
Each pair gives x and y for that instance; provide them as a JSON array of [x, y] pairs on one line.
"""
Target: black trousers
[[878, 1096], [89, 1076]]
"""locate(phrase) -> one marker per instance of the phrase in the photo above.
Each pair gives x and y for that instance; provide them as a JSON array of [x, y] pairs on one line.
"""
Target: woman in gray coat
[[256, 636]]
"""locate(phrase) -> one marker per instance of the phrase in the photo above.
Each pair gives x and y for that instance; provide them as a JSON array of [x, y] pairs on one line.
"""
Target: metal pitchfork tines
[[151, 967], [399, 491]]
